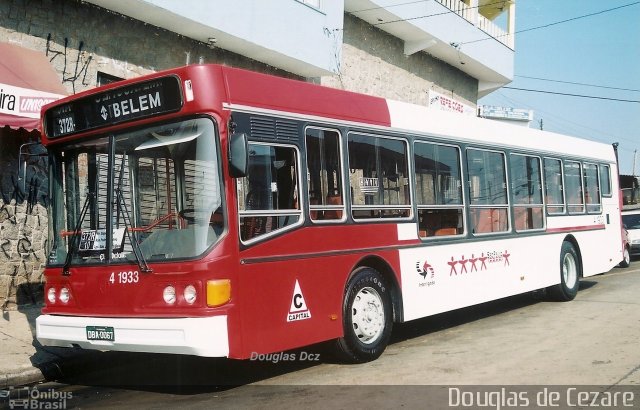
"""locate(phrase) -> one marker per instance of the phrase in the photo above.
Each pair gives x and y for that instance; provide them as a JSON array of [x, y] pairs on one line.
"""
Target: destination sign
[[92, 240], [115, 106]]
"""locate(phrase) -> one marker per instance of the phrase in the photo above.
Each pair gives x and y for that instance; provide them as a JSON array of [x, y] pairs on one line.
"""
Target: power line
[[555, 23], [576, 83], [564, 123], [565, 126], [490, 4], [578, 17], [572, 95]]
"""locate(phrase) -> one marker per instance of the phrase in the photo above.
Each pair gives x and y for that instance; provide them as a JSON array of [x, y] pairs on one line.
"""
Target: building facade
[[410, 52]]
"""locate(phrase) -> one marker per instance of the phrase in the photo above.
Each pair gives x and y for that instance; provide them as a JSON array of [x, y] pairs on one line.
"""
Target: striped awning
[[27, 82]]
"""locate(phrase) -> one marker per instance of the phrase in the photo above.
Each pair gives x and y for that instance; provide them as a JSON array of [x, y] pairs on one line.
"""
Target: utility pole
[[635, 155], [541, 125]]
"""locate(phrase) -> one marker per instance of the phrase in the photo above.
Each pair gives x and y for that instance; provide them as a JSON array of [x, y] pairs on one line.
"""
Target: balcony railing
[[471, 15], [459, 8]]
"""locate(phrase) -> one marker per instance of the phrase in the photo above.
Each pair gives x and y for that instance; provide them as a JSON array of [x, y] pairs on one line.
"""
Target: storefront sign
[[505, 113], [24, 102], [442, 102]]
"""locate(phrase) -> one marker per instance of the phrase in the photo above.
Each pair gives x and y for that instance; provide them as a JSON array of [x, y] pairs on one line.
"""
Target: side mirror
[[238, 155], [24, 152]]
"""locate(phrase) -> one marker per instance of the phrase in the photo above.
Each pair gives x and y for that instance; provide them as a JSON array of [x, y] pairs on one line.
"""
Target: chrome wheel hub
[[367, 315]]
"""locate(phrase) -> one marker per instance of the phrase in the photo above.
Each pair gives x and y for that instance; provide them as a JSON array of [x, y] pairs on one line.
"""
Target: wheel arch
[[387, 272]]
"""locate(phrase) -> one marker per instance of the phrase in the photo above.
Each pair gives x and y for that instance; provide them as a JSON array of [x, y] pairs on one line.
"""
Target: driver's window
[[268, 197]]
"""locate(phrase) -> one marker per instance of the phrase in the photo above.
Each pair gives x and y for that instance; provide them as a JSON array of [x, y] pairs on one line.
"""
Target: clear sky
[[602, 50]]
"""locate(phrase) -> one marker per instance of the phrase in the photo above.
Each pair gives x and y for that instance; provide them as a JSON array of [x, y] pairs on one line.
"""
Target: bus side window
[[526, 184], [378, 177], [591, 188], [605, 180], [268, 196], [573, 183], [488, 190], [553, 186], [488, 220], [438, 190], [324, 175]]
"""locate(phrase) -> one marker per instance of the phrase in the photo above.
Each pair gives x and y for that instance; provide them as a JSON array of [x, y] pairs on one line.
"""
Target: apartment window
[[526, 186], [438, 190], [324, 175], [104, 78], [553, 186], [378, 177], [488, 201]]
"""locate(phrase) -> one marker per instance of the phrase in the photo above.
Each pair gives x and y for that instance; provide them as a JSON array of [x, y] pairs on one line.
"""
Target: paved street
[[523, 340]]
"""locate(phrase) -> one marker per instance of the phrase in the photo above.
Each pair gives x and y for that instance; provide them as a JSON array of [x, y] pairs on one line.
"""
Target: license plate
[[100, 333]]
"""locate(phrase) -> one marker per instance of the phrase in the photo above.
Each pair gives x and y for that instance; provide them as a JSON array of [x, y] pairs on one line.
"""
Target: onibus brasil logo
[[34, 398]]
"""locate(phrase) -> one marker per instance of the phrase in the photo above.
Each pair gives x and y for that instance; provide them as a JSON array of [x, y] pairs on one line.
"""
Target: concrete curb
[[23, 360], [54, 369], [27, 376]]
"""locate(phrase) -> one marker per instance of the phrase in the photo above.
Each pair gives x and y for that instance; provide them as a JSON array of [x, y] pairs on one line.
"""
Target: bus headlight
[[190, 294], [64, 295], [218, 292], [51, 295], [169, 295]]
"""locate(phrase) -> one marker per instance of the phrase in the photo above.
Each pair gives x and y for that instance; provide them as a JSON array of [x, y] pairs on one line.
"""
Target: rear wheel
[[367, 318], [570, 272]]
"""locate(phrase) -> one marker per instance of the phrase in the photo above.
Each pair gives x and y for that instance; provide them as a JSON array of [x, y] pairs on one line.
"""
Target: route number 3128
[[124, 277]]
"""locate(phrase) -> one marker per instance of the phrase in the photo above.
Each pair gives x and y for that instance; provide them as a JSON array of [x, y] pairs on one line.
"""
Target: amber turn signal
[[218, 292]]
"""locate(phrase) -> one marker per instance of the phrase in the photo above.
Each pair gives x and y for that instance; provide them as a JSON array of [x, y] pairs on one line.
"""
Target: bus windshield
[[160, 186]]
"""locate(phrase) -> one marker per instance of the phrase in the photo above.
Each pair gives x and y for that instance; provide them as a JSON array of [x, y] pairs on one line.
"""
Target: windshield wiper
[[75, 235], [137, 252]]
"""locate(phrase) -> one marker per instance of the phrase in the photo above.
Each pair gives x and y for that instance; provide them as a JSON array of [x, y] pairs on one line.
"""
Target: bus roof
[[479, 130], [246, 88], [217, 86]]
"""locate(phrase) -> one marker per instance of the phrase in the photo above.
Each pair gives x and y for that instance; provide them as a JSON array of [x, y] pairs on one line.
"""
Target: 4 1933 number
[[124, 277]]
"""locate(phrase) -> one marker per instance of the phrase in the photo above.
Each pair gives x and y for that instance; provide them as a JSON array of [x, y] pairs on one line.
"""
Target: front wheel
[[366, 317], [570, 272]]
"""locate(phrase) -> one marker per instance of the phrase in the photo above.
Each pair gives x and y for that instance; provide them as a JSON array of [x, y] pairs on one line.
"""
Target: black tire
[[366, 318], [626, 258], [570, 274]]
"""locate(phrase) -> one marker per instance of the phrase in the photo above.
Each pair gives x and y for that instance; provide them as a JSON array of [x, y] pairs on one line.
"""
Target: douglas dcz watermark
[[285, 357]]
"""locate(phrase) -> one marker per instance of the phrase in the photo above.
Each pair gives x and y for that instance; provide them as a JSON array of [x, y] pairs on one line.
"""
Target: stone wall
[[373, 62], [82, 40], [23, 218]]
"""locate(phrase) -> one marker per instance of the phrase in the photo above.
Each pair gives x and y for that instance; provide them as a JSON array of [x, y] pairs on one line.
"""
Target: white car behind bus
[[631, 221]]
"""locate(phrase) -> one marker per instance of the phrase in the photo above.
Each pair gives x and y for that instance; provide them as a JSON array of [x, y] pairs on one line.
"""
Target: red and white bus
[[214, 211]]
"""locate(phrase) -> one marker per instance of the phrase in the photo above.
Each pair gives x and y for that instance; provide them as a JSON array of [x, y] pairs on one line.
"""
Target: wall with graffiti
[[84, 44], [23, 217]]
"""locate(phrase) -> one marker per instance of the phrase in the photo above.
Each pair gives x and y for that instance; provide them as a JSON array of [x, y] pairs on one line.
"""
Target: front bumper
[[194, 336]]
